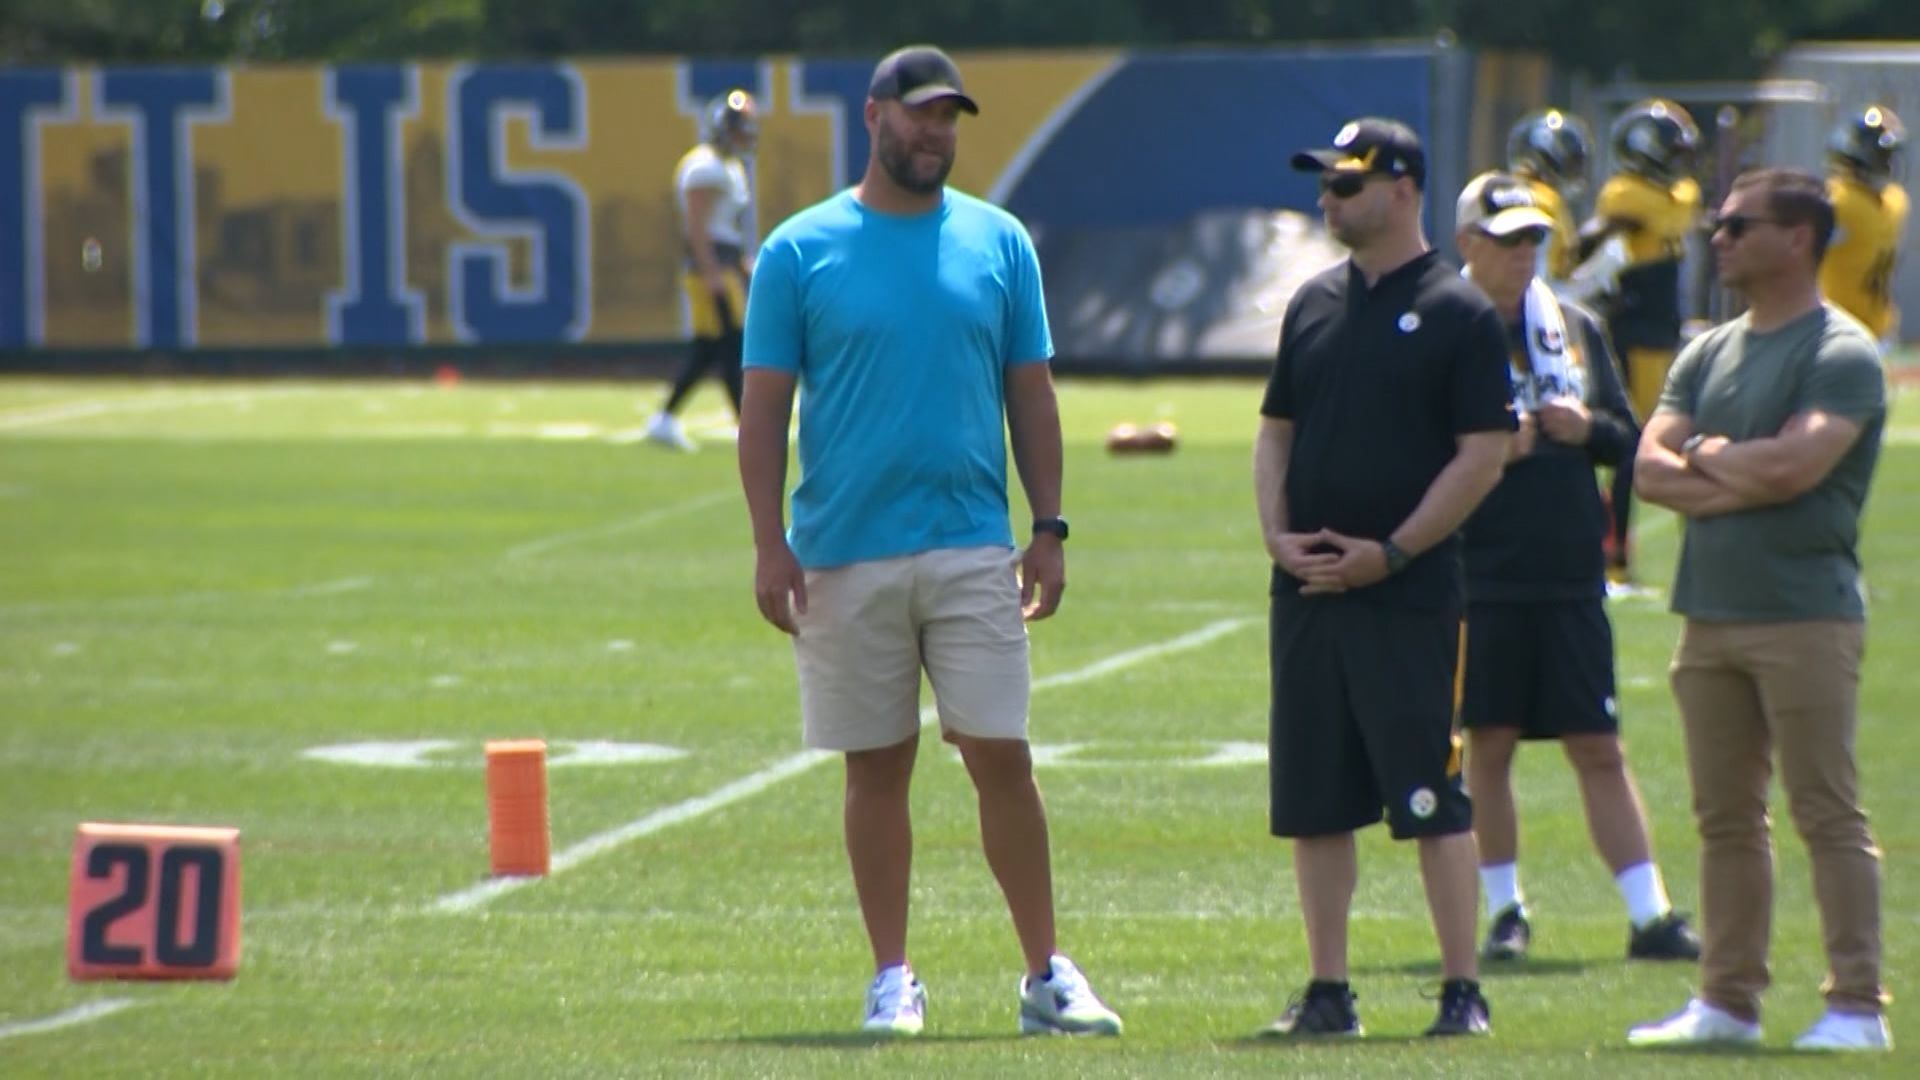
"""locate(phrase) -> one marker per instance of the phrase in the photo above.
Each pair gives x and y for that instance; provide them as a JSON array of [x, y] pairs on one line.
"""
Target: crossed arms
[[1719, 476]]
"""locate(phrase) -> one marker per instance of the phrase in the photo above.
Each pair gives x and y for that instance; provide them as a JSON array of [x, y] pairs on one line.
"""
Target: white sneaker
[[1698, 1023], [1063, 1004], [1847, 1031], [896, 1003], [665, 429]]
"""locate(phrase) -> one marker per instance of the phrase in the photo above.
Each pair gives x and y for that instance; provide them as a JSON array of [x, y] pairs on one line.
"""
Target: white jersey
[[704, 167]]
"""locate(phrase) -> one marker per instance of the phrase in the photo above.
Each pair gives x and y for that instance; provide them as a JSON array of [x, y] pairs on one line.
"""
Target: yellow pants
[[709, 321], [1646, 377]]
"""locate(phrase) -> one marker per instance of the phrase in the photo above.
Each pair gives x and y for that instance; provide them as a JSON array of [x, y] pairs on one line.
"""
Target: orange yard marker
[[517, 807]]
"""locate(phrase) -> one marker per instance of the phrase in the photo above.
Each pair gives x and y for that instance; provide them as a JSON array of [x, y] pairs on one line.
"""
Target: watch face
[[1397, 560]]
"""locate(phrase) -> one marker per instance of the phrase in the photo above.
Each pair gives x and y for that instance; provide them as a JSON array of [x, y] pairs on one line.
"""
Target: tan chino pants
[[1751, 693]]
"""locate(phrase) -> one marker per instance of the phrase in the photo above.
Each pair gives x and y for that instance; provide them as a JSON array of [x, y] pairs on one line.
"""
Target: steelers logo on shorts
[[1423, 802]]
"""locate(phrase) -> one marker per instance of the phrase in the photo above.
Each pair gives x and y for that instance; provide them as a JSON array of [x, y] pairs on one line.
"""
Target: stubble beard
[[897, 160]]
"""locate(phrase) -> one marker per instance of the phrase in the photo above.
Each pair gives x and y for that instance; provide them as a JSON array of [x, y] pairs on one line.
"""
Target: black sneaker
[[1509, 937], [1462, 1010], [1665, 938], [1323, 1009]]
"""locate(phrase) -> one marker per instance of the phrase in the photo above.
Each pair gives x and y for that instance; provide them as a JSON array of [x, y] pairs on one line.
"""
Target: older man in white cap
[[1539, 645]]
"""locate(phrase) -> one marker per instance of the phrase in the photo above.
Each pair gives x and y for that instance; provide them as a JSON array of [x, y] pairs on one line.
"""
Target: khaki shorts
[[871, 627]]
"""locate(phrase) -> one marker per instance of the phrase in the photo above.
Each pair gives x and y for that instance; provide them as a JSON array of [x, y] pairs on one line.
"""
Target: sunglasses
[[1736, 225], [1343, 185], [1535, 236]]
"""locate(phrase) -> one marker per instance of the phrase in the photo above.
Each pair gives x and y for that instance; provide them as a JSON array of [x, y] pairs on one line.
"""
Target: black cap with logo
[[1370, 145], [916, 75]]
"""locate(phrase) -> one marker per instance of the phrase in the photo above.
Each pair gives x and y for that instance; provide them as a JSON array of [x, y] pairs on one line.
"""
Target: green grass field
[[202, 581]]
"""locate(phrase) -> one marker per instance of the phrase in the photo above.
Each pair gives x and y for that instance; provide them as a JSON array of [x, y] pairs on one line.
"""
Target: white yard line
[[42, 415], [339, 586], [687, 506], [150, 603], [332, 588], [122, 603], [786, 768], [79, 1014]]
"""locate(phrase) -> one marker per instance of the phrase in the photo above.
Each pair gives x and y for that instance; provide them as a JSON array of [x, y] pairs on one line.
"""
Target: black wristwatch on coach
[[1054, 525], [1397, 560]]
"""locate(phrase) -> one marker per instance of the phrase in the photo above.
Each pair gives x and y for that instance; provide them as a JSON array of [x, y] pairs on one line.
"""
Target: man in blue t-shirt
[[912, 314]]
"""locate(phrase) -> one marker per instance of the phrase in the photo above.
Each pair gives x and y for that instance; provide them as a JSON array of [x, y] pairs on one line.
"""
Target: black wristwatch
[[1055, 525], [1397, 560]]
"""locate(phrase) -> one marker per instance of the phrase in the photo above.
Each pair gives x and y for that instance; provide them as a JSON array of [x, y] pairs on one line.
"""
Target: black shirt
[[1538, 535], [1379, 382], [1644, 311]]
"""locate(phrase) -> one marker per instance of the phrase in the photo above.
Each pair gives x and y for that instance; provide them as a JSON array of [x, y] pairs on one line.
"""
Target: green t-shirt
[[1799, 559]]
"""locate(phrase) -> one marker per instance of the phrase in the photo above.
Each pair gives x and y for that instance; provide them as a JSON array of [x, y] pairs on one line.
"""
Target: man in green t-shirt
[[1765, 440]]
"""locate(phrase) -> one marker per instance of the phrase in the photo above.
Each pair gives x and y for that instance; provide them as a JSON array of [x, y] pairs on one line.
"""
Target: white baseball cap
[[1499, 204]]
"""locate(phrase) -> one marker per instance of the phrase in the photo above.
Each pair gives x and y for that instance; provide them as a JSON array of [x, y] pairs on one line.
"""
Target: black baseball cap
[[1370, 145], [916, 75]]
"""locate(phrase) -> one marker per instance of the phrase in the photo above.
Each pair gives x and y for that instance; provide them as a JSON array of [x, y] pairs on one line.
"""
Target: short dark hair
[[1794, 197]]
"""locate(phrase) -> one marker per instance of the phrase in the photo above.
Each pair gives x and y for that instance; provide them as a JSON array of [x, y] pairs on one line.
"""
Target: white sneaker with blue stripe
[[896, 1003], [1063, 1004]]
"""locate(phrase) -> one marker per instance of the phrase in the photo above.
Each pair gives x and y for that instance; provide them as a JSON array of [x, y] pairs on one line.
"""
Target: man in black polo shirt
[[1539, 646], [1385, 423]]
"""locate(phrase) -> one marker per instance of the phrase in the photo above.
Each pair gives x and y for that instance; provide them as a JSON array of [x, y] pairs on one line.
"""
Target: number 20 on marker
[[154, 902]]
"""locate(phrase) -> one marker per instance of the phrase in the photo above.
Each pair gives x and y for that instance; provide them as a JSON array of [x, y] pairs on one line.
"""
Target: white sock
[[1644, 892], [1501, 883]]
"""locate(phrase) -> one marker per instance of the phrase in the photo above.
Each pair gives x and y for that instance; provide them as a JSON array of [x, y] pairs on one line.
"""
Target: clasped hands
[[1327, 561]]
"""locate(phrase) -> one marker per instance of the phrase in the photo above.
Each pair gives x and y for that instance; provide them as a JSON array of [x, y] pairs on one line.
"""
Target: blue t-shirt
[[899, 330]]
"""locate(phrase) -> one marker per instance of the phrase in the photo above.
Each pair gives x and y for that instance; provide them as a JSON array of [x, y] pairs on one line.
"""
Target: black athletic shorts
[[1362, 719], [1545, 668]]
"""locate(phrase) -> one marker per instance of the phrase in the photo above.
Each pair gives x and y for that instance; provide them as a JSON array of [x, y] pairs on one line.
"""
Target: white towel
[[1558, 370]]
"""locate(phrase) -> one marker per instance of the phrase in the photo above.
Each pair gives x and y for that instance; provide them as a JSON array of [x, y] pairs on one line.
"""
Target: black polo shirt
[[1378, 383]]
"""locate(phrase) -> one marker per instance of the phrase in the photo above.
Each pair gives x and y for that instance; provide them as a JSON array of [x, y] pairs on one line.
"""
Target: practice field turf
[[206, 585]]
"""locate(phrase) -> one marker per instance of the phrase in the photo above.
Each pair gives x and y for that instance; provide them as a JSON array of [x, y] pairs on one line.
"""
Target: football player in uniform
[[715, 199], [1630, 269], [1550, 149], [1870, 212]]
